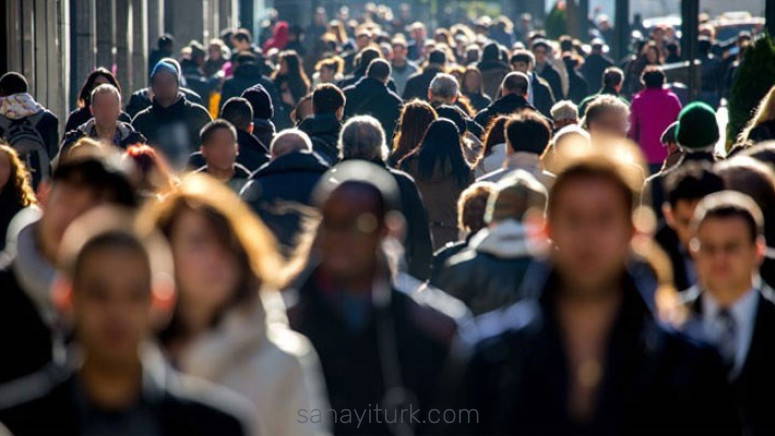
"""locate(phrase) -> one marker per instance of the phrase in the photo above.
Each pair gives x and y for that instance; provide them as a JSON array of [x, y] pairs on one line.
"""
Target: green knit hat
[[697, 126]]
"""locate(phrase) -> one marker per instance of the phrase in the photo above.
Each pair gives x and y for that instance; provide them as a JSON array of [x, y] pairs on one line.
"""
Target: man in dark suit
[[731, 306], [684, 188]]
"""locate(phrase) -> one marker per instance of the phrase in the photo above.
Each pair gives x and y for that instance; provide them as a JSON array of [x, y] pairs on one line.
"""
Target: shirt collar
[[743, 310]]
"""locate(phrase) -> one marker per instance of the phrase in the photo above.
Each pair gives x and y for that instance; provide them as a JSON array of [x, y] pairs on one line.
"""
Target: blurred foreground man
[[587, 356], [114, 288], [26, 277], [731, 305], [383, 351]]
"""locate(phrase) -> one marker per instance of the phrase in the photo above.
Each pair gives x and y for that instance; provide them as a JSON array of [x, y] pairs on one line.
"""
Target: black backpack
[[24, 137]]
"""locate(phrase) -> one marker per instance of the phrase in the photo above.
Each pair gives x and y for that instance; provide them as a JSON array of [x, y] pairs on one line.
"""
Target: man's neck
[[728, 296], [106, 132], [112, 386], [165, 103], [223, 174], [399, 62]]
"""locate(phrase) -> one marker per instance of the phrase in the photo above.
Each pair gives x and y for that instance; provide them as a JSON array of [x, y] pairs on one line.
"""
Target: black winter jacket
[[280, 193], [323, 131], [173, 129], [372, 97], [653, 380]]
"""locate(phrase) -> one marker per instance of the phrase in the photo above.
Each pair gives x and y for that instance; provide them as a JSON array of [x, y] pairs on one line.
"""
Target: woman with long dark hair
[[291, 80], [416, 116], [81, 115], [441, 172], [15, 188]]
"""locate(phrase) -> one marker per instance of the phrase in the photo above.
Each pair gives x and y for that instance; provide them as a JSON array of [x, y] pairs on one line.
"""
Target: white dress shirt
[[743, 311]]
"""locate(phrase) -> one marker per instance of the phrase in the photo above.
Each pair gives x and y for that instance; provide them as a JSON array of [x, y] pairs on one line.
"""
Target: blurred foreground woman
[[229, 324]]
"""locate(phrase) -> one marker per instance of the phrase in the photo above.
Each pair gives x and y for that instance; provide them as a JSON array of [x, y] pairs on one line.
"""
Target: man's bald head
[[288, 141], [514, 83]]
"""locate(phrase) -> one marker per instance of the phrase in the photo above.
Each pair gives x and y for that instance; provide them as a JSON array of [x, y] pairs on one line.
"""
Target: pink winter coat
[[651, 112]]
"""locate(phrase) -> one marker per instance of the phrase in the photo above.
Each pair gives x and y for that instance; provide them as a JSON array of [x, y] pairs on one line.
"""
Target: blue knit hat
[[167, 67]]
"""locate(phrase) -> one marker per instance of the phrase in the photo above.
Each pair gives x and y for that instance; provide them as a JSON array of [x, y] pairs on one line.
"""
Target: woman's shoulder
[[288, 345]]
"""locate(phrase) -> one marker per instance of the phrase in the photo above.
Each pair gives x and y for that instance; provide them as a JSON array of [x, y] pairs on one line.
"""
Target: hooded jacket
[[21, 108], [488, 274], [254, 353], [264, 131], [371, 97], [323, 131]]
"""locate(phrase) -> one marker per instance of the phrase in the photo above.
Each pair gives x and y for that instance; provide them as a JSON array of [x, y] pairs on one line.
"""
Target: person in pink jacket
[[651, 112]]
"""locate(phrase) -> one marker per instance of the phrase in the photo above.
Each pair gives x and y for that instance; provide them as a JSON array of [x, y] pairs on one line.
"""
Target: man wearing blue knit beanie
[[172, 123]]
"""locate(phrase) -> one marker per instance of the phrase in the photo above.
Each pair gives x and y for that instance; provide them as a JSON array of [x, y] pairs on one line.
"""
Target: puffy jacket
[[488, 274]]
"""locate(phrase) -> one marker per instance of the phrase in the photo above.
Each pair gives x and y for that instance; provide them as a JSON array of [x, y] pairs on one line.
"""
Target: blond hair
[[765, 111]]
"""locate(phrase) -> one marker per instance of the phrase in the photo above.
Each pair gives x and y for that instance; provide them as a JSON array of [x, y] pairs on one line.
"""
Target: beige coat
[[258, 356]]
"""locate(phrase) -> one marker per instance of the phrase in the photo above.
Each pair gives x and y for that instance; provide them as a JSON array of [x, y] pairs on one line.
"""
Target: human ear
[[62, 296]]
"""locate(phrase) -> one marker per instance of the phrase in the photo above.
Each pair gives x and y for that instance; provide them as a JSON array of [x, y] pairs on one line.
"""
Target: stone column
[[185, 20], [105, 33], [139, 51], [123, 54], [84, 30], [228, 15], [155, 21]]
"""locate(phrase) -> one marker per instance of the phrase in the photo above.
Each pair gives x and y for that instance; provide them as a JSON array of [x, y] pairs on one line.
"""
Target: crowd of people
[[485, 231]]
